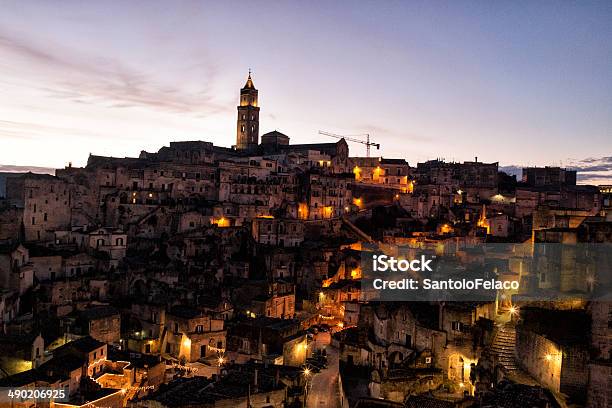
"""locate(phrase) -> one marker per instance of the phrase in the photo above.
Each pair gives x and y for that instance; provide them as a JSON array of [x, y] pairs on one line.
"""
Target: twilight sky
[[522, 83]]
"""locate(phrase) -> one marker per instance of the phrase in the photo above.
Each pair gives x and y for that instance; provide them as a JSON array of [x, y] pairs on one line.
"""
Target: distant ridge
[[7, 170]]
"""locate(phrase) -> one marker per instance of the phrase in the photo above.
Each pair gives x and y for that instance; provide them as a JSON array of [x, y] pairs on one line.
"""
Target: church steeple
[[247, 130], [249, 82]]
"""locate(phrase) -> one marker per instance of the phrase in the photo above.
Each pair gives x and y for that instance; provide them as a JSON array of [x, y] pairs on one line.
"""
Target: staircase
[[504, 346], [365, 237]]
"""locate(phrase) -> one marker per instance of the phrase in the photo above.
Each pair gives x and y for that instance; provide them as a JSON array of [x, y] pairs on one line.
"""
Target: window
[[456, 326], [33, 220]]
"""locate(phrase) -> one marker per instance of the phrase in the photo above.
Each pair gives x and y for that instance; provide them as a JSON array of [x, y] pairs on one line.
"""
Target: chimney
[[476, 159]]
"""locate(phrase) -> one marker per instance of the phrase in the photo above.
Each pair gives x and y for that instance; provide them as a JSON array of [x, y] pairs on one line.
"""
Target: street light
[[306, 376]]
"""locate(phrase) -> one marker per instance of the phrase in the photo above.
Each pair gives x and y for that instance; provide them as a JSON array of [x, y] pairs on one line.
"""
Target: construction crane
[[352, 139]]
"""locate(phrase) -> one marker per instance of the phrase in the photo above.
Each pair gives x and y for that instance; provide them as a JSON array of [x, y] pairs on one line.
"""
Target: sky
[[518, 82]]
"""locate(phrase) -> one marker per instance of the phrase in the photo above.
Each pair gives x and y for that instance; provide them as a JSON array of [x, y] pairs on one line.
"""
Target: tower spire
[[249, 82]]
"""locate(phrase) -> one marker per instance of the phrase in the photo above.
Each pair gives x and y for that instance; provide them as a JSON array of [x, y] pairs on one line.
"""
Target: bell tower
[[247, 130]]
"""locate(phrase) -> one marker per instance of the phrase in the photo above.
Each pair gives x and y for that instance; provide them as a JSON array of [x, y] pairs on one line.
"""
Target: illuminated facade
[[247, 129]]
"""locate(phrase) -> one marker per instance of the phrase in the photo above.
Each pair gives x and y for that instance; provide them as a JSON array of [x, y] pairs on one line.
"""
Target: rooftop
[[99, 312], [84, 345]]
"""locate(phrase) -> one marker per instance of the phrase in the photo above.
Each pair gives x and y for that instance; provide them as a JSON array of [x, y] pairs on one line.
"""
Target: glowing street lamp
[[513, 310]]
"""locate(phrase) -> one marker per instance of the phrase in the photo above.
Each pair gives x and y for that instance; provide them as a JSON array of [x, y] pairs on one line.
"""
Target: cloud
[[35, 131], [69, 75], [593, 164]]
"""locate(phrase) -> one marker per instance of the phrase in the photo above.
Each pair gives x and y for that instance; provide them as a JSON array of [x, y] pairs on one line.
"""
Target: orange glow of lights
[[482, 221], [221, 222], [303, 211]]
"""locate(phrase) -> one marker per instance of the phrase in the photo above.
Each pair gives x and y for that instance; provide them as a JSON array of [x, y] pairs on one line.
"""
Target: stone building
[[102, 323], [192, 335], [278, 232], [599, 392], [16, 271], [46, 202], [551, 347], [548, 176], [21, 352]]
